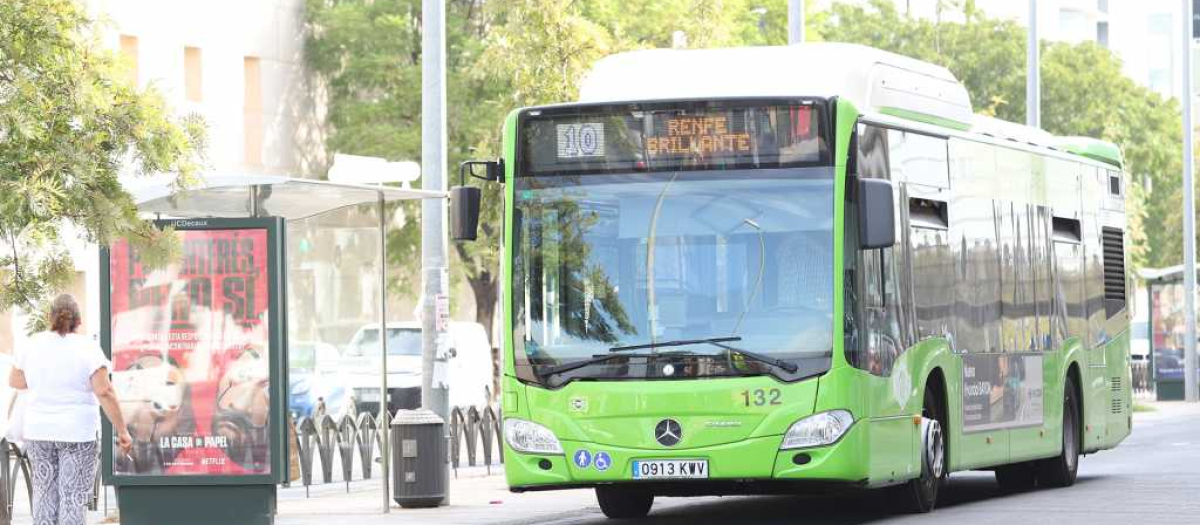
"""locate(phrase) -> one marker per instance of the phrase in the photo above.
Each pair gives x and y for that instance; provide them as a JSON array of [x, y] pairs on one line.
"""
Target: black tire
[[624, 502], [1061, 470], [1018, 477], [919, 495]]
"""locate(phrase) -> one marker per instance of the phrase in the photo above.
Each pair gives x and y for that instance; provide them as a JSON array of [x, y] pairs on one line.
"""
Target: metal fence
[[355, 441], [1141, 379], [14, 466]]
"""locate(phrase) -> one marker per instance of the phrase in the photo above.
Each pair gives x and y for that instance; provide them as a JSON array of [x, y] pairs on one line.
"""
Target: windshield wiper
[[555, 370], [552, 371], [786, 366]]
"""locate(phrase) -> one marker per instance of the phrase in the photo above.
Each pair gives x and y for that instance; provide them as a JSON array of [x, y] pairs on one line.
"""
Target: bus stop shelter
[[1166, 359], [250, 196]]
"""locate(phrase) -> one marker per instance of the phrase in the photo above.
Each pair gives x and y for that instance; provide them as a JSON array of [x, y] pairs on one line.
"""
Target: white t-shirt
[[61, 405]]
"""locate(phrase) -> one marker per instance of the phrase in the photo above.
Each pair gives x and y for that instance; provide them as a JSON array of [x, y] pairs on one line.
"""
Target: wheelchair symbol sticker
[[603, 461], [583, 458]]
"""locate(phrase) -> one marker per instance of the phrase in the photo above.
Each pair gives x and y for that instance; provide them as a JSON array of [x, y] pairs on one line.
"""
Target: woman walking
[[65, 376]]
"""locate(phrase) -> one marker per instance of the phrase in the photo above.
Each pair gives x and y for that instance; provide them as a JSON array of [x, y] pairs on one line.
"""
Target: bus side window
[[1068, 280], [978, 247], [1093, 254], [878, 311], [1042, 271], [933, 280], [922, 162]]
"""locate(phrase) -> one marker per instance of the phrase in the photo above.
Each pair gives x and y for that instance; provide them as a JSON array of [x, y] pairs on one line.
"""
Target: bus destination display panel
[[690, 136]]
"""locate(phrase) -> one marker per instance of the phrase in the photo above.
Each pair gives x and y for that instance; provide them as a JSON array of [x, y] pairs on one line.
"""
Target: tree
[[368, 52], [69, 124], [1084, 93]]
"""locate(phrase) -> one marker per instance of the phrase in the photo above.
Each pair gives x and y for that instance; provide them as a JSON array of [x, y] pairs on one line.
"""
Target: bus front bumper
[[751, 466]]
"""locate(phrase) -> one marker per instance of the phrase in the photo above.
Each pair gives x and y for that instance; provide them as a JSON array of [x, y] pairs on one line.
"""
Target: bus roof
[[874, 80], [1091, 148]]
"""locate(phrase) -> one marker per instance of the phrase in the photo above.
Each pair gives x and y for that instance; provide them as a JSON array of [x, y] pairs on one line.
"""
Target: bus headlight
[[817, 430], [530, 437]]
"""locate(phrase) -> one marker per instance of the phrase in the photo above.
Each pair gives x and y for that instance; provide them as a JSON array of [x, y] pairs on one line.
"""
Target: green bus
[[801, 269]]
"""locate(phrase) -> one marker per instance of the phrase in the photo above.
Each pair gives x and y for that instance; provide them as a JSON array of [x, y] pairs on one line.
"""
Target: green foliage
[[68, 125], [1083, 93], [369, 55], [515, 53]]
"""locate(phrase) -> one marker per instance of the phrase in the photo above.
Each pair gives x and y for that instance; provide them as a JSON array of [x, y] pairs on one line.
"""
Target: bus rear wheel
[[1061, 470], [624, 502], [920, 494]]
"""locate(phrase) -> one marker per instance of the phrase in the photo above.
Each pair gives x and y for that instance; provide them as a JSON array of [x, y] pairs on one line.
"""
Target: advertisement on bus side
[[1001, 391]]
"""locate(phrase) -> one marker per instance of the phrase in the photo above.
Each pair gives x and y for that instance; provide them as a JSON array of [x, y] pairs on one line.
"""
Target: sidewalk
[[475, 497], [1162, 410]]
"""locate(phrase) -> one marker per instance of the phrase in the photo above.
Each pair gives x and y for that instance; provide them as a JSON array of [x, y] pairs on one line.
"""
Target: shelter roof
[[228, 194]]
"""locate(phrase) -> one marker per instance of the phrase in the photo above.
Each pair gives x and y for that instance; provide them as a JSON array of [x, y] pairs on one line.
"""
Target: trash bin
[[418, 458]]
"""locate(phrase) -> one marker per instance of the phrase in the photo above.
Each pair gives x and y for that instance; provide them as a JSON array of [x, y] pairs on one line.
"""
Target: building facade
[[238, 64], [1144, 34]]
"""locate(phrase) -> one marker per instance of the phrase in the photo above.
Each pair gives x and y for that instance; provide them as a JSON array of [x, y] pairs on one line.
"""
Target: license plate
[[670, 469]]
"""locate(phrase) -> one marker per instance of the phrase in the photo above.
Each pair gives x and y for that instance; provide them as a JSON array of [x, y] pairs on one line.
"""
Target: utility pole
[[1189, 216], [385, 427], [795, 21], [1033, 94], [435, 279]]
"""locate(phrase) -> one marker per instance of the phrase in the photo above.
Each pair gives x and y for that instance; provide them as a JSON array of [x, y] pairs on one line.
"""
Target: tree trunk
[[483, 286]]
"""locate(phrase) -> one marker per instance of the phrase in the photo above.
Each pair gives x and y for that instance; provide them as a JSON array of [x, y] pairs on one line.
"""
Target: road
[[1152, 478]]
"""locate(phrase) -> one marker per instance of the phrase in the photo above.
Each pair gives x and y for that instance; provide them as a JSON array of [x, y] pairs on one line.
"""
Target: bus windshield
[[625, 259]]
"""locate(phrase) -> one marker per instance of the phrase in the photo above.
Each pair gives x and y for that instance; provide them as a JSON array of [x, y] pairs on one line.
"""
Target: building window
[[1102, 34], [252, 115], [1160, 53], [129, 50], [1073, 25], [192, 74]]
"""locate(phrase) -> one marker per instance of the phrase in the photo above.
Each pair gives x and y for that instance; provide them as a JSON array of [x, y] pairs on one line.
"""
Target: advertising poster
[[190, 345], [1001, 391]]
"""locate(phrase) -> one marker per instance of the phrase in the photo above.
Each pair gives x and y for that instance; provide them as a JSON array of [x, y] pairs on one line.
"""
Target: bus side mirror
[[464, 200], [464, 212], [876, 214]]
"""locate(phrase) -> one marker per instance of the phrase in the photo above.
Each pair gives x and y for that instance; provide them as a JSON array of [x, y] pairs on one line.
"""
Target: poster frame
[[1005, 426], [277, 388]]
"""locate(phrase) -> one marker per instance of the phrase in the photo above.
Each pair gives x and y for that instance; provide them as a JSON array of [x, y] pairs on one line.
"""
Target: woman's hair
[[64, 315]]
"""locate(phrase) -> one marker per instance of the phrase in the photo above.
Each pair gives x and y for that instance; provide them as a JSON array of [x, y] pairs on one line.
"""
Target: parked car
[[314, 375], [1139, 341], [1168, 363], [469, 374]]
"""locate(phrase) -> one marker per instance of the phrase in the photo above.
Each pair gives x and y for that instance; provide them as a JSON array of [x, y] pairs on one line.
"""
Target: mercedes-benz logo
[[668, 433]]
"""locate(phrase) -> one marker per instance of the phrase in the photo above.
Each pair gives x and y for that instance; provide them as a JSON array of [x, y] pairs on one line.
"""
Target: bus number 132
[[761, 397]]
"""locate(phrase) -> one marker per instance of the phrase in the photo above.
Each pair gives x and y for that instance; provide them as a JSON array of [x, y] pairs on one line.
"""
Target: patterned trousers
[[63, 477]]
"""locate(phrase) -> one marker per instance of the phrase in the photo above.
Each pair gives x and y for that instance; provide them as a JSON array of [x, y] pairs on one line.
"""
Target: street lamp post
[[795, 21], [1189, 216], [435, 283], [1033, 102]]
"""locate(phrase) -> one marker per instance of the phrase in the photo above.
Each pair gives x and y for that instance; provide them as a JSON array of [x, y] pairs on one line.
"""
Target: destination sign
[[667, 136], [703, 135]]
